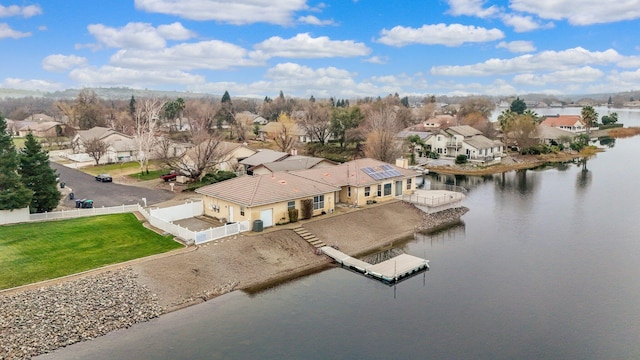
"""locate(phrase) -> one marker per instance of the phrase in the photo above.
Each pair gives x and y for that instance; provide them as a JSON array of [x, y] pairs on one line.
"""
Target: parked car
[[171, 176], [103, 178]]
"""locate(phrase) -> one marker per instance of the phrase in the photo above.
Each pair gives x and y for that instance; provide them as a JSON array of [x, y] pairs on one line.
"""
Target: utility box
[[257, 225]]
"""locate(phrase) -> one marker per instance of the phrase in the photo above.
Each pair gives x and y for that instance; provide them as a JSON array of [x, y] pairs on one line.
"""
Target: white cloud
[[7, 32], [440, 34], [585, 74], [212, 54], [518, 46], [305, 46], [546, 60], [377, 59], [175, 31], [24, 11], [580, 12], [117, 76], [138, 35], [312, 20], [521, 23], [234, 12], [471, 8], [32, 84], [60, 62]]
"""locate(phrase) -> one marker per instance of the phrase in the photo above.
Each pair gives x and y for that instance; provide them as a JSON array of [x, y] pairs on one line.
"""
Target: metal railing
[[440, 186]]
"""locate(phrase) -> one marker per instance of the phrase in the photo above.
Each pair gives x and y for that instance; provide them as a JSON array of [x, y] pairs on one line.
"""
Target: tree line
[[26, 179]]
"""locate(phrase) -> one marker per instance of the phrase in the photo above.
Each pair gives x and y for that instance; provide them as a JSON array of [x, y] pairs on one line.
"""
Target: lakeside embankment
[[39, 320]]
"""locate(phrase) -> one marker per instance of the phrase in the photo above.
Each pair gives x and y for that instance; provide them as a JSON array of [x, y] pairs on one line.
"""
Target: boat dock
[[389, 271]]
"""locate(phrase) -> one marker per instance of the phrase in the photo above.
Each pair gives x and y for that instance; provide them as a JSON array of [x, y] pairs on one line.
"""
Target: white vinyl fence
[[220, 232], [69, 214], [161, 218]]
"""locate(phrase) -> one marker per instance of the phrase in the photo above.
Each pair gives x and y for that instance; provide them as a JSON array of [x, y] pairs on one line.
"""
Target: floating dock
[[389, 271]]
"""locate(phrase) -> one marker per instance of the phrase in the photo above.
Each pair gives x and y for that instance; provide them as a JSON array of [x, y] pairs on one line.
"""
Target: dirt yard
[[258, 259]]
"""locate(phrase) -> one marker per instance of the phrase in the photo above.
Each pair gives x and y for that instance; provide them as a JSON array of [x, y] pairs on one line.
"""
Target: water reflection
[[441, 236], [584, 176]]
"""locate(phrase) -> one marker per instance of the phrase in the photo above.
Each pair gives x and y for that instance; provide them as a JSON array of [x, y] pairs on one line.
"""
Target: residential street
[[84, 186]]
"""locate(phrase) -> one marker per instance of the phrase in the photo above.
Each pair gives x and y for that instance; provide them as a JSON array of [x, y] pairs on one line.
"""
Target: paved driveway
[[85, 186]]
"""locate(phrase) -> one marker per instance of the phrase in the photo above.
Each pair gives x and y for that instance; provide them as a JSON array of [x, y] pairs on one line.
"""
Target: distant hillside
[[117, 93]]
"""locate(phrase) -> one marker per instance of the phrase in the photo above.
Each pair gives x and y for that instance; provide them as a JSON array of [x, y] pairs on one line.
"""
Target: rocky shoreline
[[41, 320], [38, 321]]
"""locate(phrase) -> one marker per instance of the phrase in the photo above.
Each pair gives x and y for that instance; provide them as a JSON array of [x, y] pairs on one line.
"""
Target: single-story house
[[571, 123], [226, 155], [266, 131], [265, 197], [106, 135], [269, 196], [262, 156], [547, 134], [292, 163], [40, 129]]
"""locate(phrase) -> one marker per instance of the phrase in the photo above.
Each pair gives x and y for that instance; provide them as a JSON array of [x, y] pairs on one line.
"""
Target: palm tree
[[506, 119], [589, 116]]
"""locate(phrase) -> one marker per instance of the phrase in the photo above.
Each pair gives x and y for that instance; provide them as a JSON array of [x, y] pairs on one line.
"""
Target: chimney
[[402, 162]]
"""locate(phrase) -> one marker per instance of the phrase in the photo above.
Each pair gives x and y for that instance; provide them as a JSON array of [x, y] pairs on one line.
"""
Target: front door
[[230, 213], [398, 187]]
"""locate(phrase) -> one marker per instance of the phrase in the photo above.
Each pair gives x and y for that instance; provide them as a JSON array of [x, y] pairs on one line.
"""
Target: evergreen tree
[[518, 106], [132, 106], [226, 98], [13, 194], [38, 176]]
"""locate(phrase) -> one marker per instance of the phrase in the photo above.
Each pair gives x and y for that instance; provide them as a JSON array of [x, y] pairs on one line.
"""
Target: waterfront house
[[269, 197], [572, 123]]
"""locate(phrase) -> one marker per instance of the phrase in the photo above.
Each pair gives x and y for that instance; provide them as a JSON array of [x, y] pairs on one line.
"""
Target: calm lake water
[[545, 266]]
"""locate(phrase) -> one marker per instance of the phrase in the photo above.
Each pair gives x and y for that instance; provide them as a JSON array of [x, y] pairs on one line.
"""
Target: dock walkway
[[388, 271]]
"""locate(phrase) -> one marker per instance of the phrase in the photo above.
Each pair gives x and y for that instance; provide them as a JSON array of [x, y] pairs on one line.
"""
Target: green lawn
[[39, 251]]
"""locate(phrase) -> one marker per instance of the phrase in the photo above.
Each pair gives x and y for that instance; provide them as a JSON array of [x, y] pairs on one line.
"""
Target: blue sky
[[341, 49]]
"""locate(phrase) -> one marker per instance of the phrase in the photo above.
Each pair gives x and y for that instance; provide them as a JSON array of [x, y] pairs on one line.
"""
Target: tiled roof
[[264, 156], [562, 120], [293, 163], [464, 130], [265, 189], [285, 186], [351, 173]]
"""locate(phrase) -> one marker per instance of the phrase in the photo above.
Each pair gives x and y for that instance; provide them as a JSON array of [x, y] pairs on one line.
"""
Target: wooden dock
[[389, 271]]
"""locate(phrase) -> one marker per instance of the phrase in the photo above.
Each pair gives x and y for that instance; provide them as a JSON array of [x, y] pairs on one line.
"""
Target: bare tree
[[89, 110], [284, 136], [243, 125], [96, 149], [201, 114], [382, 128], [146, 116], [69, 111], [163, 150], [201, 158], [316, 121]]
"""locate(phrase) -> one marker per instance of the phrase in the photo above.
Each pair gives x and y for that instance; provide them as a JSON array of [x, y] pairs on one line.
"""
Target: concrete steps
[[309, 237]]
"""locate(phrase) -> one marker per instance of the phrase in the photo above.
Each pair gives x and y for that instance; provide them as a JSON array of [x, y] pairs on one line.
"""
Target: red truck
[[171, 176]]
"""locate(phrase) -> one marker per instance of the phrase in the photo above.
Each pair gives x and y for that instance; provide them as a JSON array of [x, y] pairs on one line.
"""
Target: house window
[[379, 190], [348, 191], [291, 205], [387, 189], [408, 184], [367, 191], [318, 202], [241, 210]]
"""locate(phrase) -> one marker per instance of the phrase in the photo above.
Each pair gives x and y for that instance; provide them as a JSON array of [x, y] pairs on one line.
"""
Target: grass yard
[[40, 251]]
